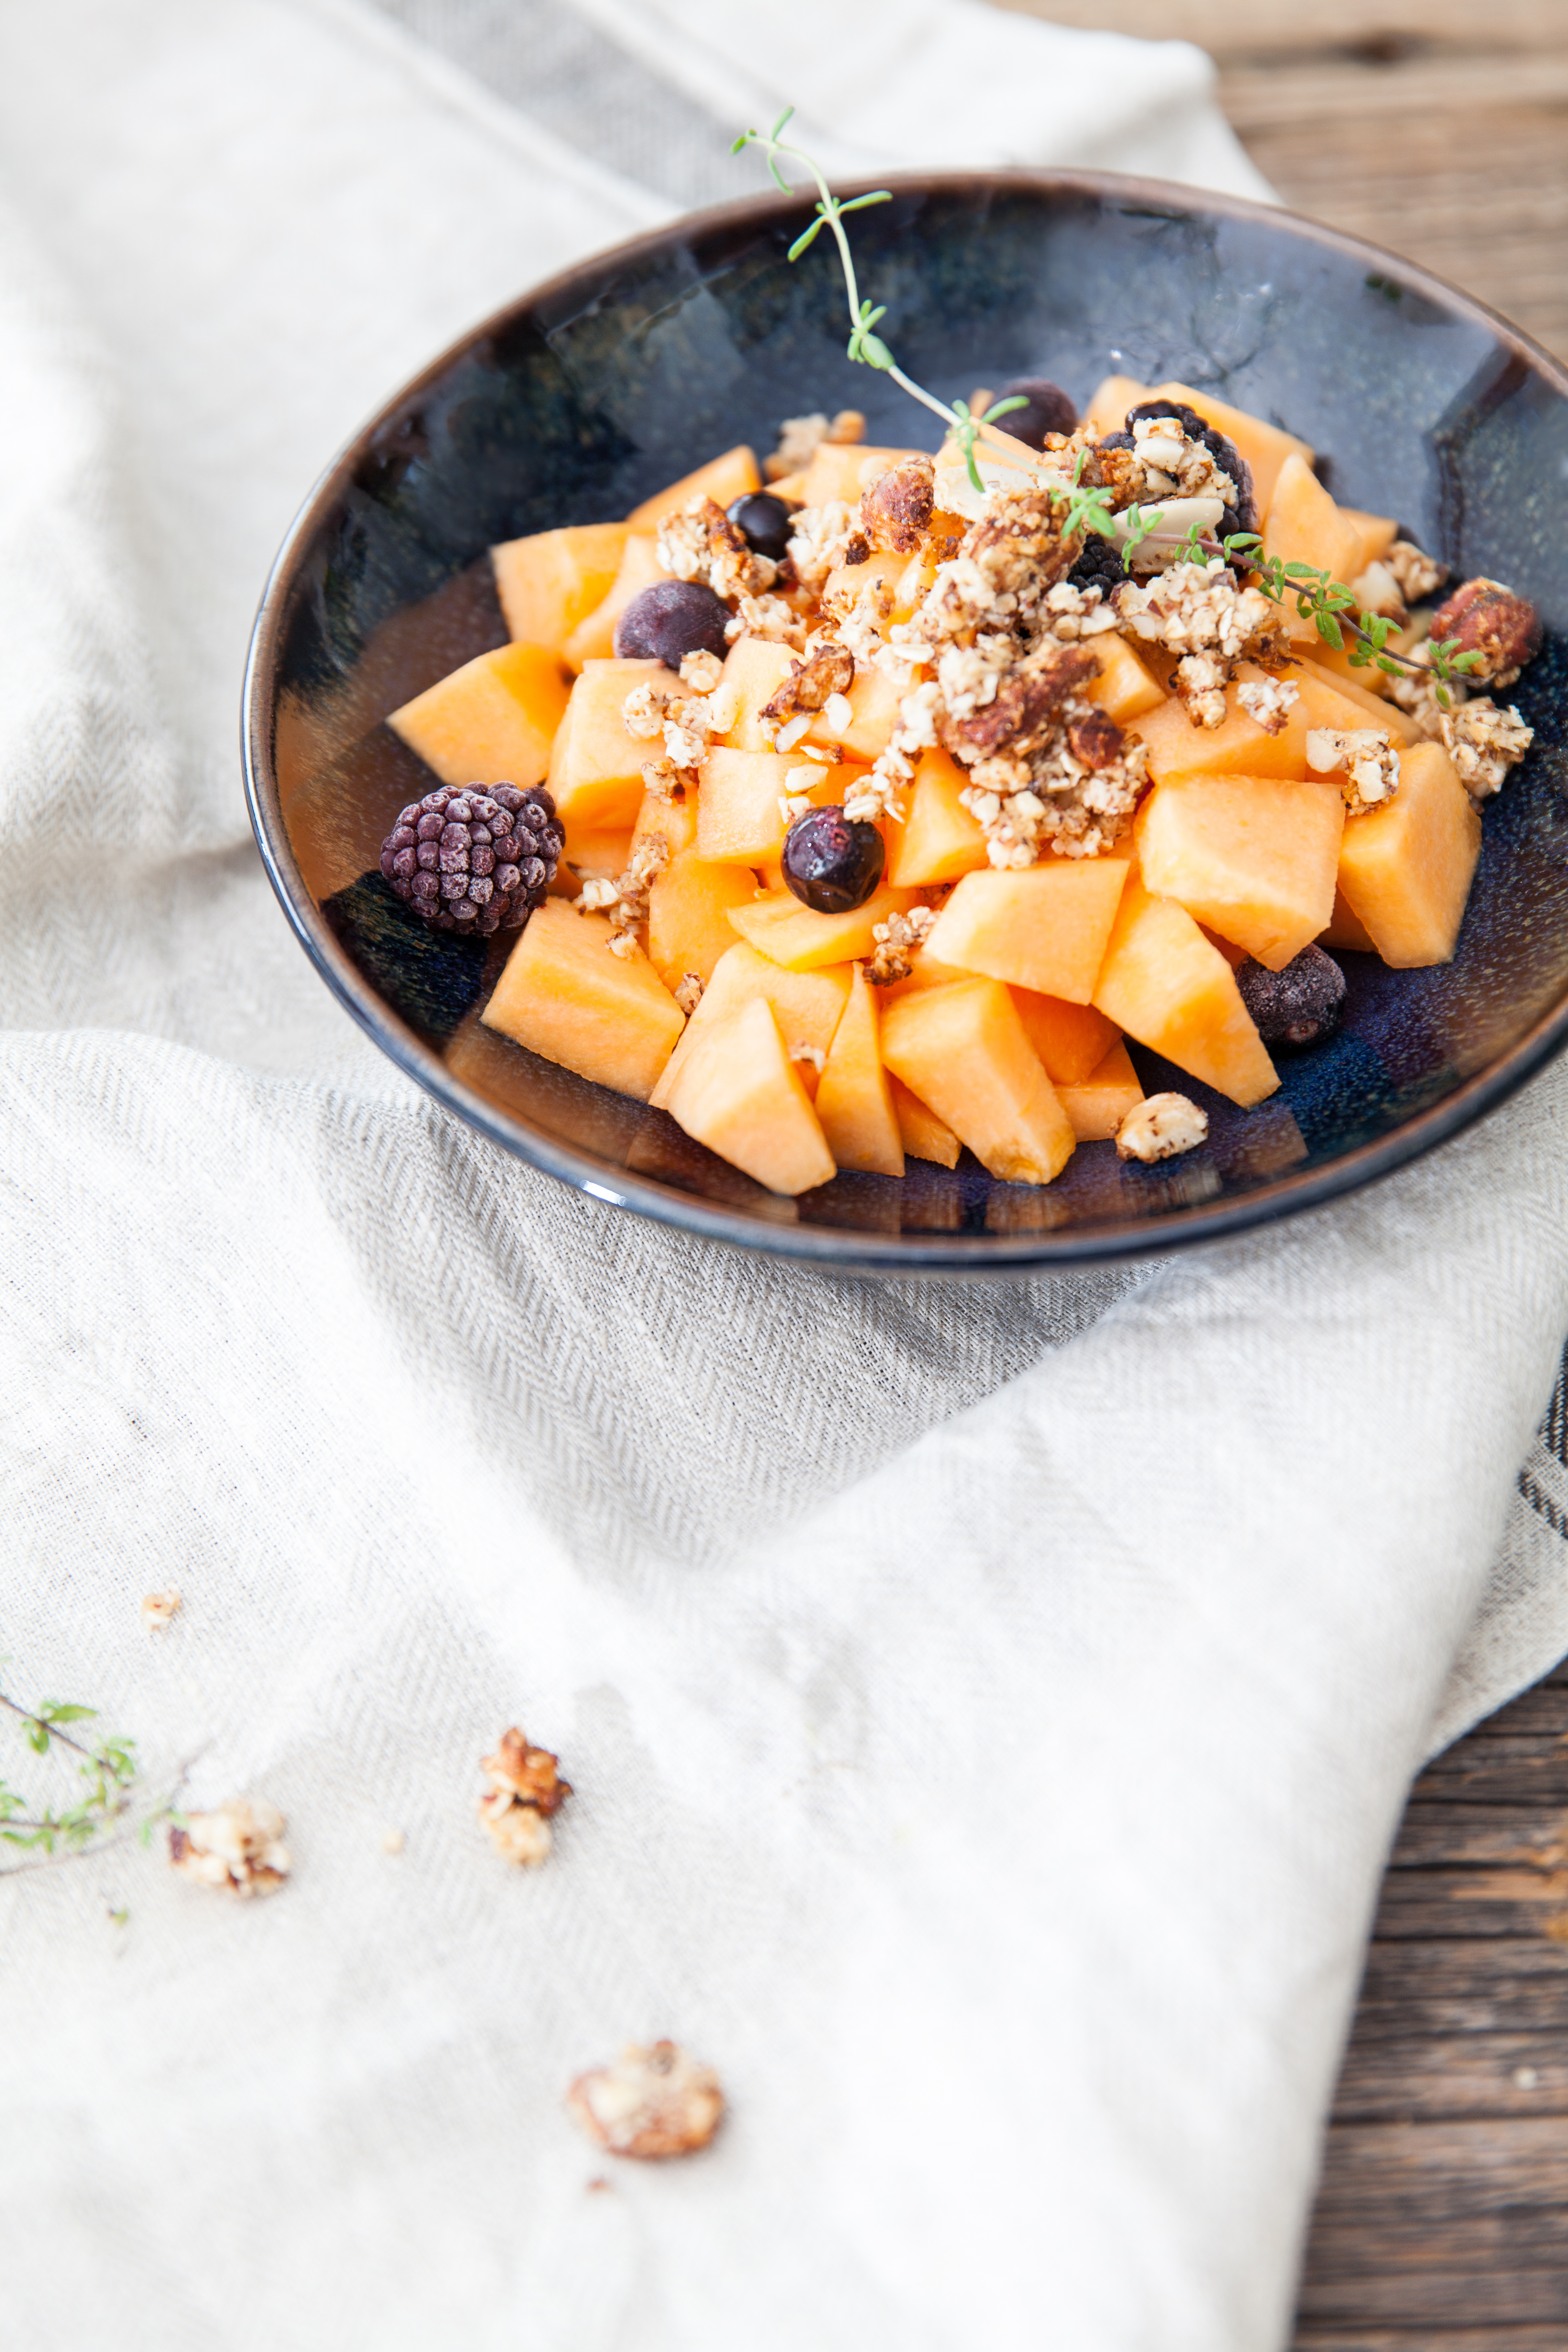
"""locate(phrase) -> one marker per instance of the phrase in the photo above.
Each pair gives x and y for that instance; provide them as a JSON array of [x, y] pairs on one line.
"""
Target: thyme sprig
[[107, 1769], [864, 344], [1332, 606]]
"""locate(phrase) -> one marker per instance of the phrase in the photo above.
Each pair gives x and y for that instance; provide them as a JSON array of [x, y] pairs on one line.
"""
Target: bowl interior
[[586, 397]]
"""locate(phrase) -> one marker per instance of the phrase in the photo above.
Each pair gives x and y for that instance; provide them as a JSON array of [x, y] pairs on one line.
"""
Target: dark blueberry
[[1298, 1006], [670, 620], [764, 522], [831, 864], [1098, 564], [1243, 515], [1049, 410]]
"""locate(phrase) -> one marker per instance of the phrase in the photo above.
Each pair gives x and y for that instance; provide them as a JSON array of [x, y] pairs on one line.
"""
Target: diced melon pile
[[1008, 1035]]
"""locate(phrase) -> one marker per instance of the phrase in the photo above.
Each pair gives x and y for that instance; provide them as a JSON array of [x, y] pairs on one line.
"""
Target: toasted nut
[[1159, 1127], [654, 2102], [237, 1849], [1490, 619]]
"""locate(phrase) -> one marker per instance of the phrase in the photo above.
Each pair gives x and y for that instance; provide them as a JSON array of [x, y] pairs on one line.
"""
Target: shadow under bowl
[[585, 396]]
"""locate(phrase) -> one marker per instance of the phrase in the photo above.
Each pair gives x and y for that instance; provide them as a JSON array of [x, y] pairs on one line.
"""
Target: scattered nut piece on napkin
[[237, 1849], [653, 2102], [526, 1787]]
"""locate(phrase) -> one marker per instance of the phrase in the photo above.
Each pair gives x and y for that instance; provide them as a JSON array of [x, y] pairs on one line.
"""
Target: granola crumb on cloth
[[160, 1609], [525, 1789], [238, 1849], [654, 2102]]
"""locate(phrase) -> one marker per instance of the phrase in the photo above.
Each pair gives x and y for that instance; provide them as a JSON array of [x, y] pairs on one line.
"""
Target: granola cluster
[[653, 2102], [1364, 759], [898, 942], [625, 899], [525, 1789], [800, 437], [1199, 612], [238, 1849]]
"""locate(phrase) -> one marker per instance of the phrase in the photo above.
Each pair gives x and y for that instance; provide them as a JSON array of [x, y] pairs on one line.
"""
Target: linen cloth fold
[[989, 1704]]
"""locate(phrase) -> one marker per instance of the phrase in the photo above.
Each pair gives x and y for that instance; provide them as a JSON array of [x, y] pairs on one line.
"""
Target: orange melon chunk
[[596, 767], [493, 721], [738, 813], [1125, 687], [854, 1097], [1304, 526], [1377, 533], [1071, 1040], [1044, 928], [600, 855], [1266, 447], [563, 994], [808, 1005], [722, 479], [963, 1050], [937, 840], [842, 469], [671, 821], [873, 702], [594, 637], [923, 1134], [1166, 985], [1333, 671], [1240, 746], [1346, 928], [802, 940], [1098, 1104], [688, 910], [552, 580], [1254, 856], [739, 1094], [754, 669], [1405, 868], [1110, 401]]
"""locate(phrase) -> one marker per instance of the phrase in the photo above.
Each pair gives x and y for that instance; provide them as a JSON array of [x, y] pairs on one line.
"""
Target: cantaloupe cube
[[1253, 856], [552, 580], [842, 469], [845, 581], [754, 669], [723, 479], [1166, 985], [1240, 746], [688, 910], [1125, 687], [739, 1094], [563, 994], [938, 840], [1405, 868], [925, 971], [1098, 1104], [594, 637], [873, 702], [596, 769], [854, 1099], [803, 940], [491, 722], [1304, 526], [921, 1133], [791, 487], [671, 821], [1334, 672], [1377, 532], [597, 854], [738, 813], [963, 1050], [1346, 928], [1266, 447], [1109, 402], [1044, 928], [1071, 1040], [808, 1004]]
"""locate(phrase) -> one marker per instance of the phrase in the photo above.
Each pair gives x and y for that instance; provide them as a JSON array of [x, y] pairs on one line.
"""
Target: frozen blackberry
[[474, 857], [1242, 515], [764, 523], [1098, 564], [1049, 410], [670, 620], [1298, 1006]]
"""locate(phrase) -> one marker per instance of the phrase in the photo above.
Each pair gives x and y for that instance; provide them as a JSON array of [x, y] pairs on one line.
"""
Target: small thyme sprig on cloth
[[864, 344], [107, 1768]]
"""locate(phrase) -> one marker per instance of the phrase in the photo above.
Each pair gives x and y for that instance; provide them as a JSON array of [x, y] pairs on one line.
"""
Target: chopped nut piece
[[1488, 619], [820, 541], [815, 1057], [1377, 590], [1415, 575], [525, 1787], [838, 713], [1484, 743], [1268, 701], [896, 511], [642, 712], [825, 672], [769, 617], [1200, 682], [238, 1848], [898, 940], [1159, 1127], [701, 671], [1199, 608], [392, 1841], [625, 899], [1367, 758], [160, 1609], [1176, 465], [688, 992], [654, 2102]]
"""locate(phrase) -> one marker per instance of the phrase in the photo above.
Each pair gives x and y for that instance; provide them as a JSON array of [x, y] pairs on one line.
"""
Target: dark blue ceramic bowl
[[584, 397]]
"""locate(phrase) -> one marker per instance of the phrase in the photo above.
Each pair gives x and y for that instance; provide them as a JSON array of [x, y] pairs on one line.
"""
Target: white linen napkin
[[989, 1704]]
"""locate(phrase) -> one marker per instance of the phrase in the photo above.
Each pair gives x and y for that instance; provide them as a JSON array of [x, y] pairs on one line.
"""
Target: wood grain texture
[[1438, 128]]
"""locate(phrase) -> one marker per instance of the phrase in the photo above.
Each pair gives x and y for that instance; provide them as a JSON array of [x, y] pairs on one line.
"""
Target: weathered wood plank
[[1443, 2078], [1447, 2339], [1445, 1902], [1435, 1831]]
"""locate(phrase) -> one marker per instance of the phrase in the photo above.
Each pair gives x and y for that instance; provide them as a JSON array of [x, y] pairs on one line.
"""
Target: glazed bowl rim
[[835, 1248]]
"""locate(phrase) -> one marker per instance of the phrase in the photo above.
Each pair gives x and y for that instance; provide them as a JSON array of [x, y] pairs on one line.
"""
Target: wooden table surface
[[1438, 128]]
